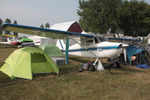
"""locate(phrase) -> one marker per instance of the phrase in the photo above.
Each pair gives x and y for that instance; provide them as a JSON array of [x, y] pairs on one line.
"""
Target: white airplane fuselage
[[100, 50]]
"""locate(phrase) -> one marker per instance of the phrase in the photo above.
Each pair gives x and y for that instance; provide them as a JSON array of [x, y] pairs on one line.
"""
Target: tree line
[[47, 25], [115, 16], [7, 21]]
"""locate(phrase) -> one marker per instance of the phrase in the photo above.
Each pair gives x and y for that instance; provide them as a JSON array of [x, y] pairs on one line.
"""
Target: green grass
[[125, 83]]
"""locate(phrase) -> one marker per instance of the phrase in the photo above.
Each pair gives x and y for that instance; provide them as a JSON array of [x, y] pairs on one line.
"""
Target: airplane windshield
[[99, 39]]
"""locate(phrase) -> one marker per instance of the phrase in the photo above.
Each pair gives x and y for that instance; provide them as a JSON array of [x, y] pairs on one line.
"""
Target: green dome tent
[[51, 50], [25, 61]]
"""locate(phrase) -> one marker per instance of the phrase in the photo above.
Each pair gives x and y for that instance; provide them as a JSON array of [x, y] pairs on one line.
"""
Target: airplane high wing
[[51, 33]]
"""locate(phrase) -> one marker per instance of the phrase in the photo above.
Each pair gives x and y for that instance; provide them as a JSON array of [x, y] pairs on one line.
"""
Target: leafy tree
[[135, 18], [7, 21], [47, 25], [1, 22], [42, 26], [15, 22], [131, 17], [99, 15]]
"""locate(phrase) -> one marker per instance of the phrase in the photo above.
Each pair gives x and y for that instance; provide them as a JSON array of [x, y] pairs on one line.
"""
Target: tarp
[[132, 50], [51, 50], [142, 66], [26, 40], [25, 61]]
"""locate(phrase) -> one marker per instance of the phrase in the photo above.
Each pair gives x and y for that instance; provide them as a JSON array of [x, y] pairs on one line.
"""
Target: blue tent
[[142, 58]]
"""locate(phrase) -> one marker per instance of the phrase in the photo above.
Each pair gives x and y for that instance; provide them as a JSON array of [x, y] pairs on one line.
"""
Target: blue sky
[[37, 12]]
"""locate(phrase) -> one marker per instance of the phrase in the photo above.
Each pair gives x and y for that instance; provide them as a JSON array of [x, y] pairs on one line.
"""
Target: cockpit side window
[[101, 39], [96, 40], [86, 41]]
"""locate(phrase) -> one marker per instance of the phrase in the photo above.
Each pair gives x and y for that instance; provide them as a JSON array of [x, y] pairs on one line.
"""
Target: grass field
[[125, 83]]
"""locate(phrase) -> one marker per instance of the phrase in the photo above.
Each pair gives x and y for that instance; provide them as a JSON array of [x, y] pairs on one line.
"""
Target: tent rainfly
[[25, 61], [51, 50], [54, 53]]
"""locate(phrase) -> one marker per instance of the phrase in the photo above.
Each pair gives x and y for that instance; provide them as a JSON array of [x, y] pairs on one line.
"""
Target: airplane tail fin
[[8, 40], [60, 44]]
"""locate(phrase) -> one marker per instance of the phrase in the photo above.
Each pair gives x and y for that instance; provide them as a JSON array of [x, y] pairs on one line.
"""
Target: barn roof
[[63, 26]]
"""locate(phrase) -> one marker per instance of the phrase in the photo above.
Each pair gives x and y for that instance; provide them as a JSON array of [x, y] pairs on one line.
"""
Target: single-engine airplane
[[10, 42], [88, 46]]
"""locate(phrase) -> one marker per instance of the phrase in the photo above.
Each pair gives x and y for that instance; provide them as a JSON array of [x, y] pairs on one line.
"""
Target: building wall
[[75, 27]]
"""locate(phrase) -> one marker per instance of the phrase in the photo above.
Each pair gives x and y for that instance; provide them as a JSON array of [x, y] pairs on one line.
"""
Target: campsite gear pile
[[87, 66], [24, 62]]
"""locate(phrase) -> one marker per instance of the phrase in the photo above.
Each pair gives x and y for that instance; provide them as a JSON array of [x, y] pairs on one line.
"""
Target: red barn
[[68, 26]]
